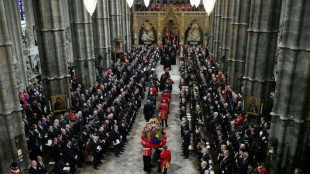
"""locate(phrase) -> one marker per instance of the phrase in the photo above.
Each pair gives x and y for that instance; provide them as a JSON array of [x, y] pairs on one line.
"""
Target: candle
[[50, 106], [68, 103]]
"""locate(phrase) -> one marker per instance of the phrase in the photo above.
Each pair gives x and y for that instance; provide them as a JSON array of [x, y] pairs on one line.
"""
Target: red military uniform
[[169, 79], [261, 169], [147, 153], [163, 110], [177, 6], [166, 98], [167, 95], [157, 6], [189, 7], [163, 6], [165, 159], [152, 6]]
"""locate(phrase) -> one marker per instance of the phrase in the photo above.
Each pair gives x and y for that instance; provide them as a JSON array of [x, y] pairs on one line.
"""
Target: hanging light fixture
[[209, 5], [146, 2], [197, 2], [90, 6], [130, 3], [192, 2]]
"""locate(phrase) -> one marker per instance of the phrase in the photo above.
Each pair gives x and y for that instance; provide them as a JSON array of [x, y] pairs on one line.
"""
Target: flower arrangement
[[153, 132]]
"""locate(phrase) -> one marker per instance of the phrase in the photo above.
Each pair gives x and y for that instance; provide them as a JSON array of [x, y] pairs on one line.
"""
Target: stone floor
[[131, 161]]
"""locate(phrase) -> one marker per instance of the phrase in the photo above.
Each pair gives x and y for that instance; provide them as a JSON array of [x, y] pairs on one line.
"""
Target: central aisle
[[131, 161]]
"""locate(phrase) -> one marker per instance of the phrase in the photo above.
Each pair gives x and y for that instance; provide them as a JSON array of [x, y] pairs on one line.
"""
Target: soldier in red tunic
[[166, 98], [189, 7], [163, 111], [152, 6], [165, 159], [157, 6], [147, 153], [15, 169]]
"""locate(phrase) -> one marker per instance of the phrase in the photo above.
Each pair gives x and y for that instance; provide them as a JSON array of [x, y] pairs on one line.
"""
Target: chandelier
[[130, 3], [209, 5], [146, 2], [195, 2], [192, 2], [90, 6]]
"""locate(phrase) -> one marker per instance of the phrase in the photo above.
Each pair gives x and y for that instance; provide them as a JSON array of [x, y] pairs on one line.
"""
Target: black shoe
[[185, 157], [166, 125], [96, 168], [117, 156], [100, 162], [182, 155], [80, 166], [99, 165]]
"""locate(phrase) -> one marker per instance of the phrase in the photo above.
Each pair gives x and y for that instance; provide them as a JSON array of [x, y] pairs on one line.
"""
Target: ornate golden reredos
[[147, 25], [170, 16], [159, 19]]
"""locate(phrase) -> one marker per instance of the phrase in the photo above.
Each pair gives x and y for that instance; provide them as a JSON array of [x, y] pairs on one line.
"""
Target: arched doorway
[[170, 33]]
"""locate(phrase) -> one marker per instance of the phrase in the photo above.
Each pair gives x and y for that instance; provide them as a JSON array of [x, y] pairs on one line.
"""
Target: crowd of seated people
[[163, 5], [100, 116], [223, 132], [178, 6]]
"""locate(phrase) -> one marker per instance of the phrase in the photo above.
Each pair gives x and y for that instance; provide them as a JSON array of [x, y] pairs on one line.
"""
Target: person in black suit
[[243, 163], [148, 111], [34, 169], [96, 148], [204, 167], [225, 161], [116, 141], [71, 156], [205, 155], [186, 142], [56, 153], [41, 166]]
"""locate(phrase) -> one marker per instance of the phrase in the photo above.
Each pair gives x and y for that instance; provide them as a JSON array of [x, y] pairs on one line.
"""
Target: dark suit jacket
[[70, 152], [205, 157], [33, 171], [43, 170], [203, 170], [225, 162], [187, 139], [148, 111], [243, 165], [116, 135]]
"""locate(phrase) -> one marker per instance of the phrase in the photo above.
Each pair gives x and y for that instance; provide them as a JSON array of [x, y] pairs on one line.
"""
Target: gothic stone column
[[128, 26], [13, 19], [83, 43], [51, 41], [226, 31], [12, 135], [217, 29], [290, 124], [238, 42], [102, 36], [116, 26], [261, 49], [124, 23]]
